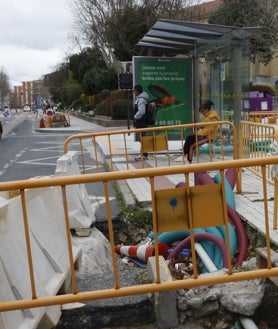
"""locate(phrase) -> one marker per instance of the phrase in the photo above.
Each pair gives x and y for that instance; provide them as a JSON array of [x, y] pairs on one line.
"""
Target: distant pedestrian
[[1, 129], [140, 120]]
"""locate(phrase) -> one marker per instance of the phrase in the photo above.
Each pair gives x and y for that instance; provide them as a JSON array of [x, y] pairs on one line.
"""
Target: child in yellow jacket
[[203, 135]]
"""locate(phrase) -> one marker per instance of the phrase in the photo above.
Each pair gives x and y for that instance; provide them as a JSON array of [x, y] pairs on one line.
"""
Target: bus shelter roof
[[187, 37]]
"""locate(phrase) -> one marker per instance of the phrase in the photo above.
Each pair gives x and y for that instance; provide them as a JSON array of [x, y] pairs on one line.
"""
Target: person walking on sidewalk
[[203, 135], [140, 120]]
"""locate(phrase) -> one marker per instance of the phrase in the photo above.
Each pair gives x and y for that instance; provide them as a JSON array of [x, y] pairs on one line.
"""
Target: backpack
[[150, 114]]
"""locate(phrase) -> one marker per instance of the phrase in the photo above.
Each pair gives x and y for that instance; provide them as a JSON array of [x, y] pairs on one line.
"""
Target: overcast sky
[[33, 37]]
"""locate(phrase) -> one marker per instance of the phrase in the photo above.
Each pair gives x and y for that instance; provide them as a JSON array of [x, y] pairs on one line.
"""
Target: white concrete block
[[14, 272], [165, 303], [80, 210], [49, 251]]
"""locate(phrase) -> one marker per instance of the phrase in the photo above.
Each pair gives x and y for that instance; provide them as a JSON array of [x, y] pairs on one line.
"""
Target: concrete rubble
[[219, 305], [215, 307]]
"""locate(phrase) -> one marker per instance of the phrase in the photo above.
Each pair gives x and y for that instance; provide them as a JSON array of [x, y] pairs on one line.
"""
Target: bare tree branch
[[91, 17], [269, 19]]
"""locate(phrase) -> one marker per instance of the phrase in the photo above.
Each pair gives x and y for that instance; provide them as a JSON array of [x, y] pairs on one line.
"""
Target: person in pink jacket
[[204, 134]]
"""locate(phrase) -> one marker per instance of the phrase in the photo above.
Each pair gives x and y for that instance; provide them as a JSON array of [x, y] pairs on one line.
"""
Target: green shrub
[[115, 104], [77, 104], [100, 108], [105, 93], [103, 108], [119, 109], [87, 108], [140, 217]]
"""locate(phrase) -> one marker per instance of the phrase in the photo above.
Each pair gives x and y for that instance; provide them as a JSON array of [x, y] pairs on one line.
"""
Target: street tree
[[124, 29], [115, 26], [54, 82], [252, 13], [71, 91], [111, 30], [89, 22], [96, 79], [269, 14], [188, 10], [4, 87], [82, 62]]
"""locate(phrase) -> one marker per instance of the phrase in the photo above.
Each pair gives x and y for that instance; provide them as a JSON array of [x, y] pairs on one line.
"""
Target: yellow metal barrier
[[156, 141], [177, 206], [255, 140], [268, 117]]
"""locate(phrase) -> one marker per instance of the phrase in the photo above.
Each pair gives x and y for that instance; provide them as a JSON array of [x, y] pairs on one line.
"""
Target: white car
[[26, 108]]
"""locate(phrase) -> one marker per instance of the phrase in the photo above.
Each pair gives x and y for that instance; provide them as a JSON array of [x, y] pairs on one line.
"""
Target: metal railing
[[255, 141], [268, 117], [157, 142], [174, 209]]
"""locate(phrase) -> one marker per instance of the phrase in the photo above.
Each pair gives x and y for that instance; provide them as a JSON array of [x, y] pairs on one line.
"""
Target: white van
[[26, 108]]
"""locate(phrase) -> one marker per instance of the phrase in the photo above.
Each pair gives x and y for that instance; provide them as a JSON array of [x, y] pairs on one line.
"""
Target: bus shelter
[[220, 60]]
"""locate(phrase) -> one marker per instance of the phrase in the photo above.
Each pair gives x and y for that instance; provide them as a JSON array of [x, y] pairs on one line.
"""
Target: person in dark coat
[[1, 129]]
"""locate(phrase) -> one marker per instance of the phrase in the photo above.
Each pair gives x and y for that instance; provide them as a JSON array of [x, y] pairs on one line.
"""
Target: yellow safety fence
[[155, 140], [255, 140], [268, 117], [172, 209]]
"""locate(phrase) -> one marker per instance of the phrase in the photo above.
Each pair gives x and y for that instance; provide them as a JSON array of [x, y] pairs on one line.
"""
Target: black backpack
[[150, 114]]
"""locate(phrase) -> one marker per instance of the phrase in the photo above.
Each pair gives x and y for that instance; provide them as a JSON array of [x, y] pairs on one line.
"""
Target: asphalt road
[[26, 154]]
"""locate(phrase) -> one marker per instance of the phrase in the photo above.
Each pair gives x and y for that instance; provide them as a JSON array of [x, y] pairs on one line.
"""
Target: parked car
[[26, 108]]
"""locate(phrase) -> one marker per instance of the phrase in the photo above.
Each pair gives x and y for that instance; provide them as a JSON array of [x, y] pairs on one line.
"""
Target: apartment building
[[28, 94]]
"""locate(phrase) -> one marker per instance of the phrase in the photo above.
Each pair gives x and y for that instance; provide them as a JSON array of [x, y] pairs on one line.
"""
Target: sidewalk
[[249, 203], [78, 125]]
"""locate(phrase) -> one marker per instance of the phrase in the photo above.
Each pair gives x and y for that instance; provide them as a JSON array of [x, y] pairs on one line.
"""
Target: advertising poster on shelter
[[168, 81]]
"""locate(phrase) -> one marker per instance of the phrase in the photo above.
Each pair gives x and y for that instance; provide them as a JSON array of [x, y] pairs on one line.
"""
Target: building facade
[[28, 94]]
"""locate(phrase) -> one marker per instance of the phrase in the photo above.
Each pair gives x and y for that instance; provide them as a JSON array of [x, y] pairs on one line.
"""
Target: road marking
[[18, 155], [39, 162], [99, 200], [40, 159]]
